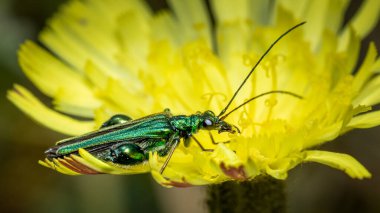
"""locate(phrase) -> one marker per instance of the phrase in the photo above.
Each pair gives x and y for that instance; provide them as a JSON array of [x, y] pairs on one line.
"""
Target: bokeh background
[[27, 187]]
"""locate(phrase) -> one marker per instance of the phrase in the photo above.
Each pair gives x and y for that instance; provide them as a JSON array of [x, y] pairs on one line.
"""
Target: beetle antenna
[[254, 67], [258, 96]]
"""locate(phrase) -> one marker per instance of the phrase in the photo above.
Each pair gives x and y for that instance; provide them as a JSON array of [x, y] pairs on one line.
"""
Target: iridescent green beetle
[[124, 141]]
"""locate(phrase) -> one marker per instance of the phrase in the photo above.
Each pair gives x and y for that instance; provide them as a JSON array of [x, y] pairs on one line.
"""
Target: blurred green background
[[28, 187]]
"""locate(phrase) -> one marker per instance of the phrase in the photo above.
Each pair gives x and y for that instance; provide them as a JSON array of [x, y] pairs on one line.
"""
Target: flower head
[[118, 57]]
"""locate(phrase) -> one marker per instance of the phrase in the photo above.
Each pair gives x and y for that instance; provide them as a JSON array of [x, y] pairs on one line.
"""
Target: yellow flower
[[100, 58]]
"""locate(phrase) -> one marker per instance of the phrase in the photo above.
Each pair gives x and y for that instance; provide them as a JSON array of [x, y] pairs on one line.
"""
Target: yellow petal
[[193, 20], [362, 23], [52, 77], [56, 165], [316, 16], [297, 9], [91, 161], [365, 71], [261, 12], [30, 105], [370, 95], [349, 49], [376, 66], [229, 11], [68, 36], [279, 167], [366, 120], [344, 162], [366, 18]]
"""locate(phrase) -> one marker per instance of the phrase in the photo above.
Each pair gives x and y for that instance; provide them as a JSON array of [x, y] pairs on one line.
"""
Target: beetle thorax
[[186, 125]]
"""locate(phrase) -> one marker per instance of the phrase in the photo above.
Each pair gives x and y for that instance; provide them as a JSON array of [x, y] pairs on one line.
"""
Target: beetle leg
[[186, 141], [213, 141], [168, 113], [116, 119], [168, 145], [172, 144], [200, 145]]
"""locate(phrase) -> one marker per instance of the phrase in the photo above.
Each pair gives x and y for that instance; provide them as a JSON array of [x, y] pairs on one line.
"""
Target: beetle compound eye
[[207, 122], [127, 154]]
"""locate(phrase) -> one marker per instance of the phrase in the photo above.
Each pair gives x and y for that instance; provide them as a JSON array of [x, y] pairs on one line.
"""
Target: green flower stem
[[263, 194]]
